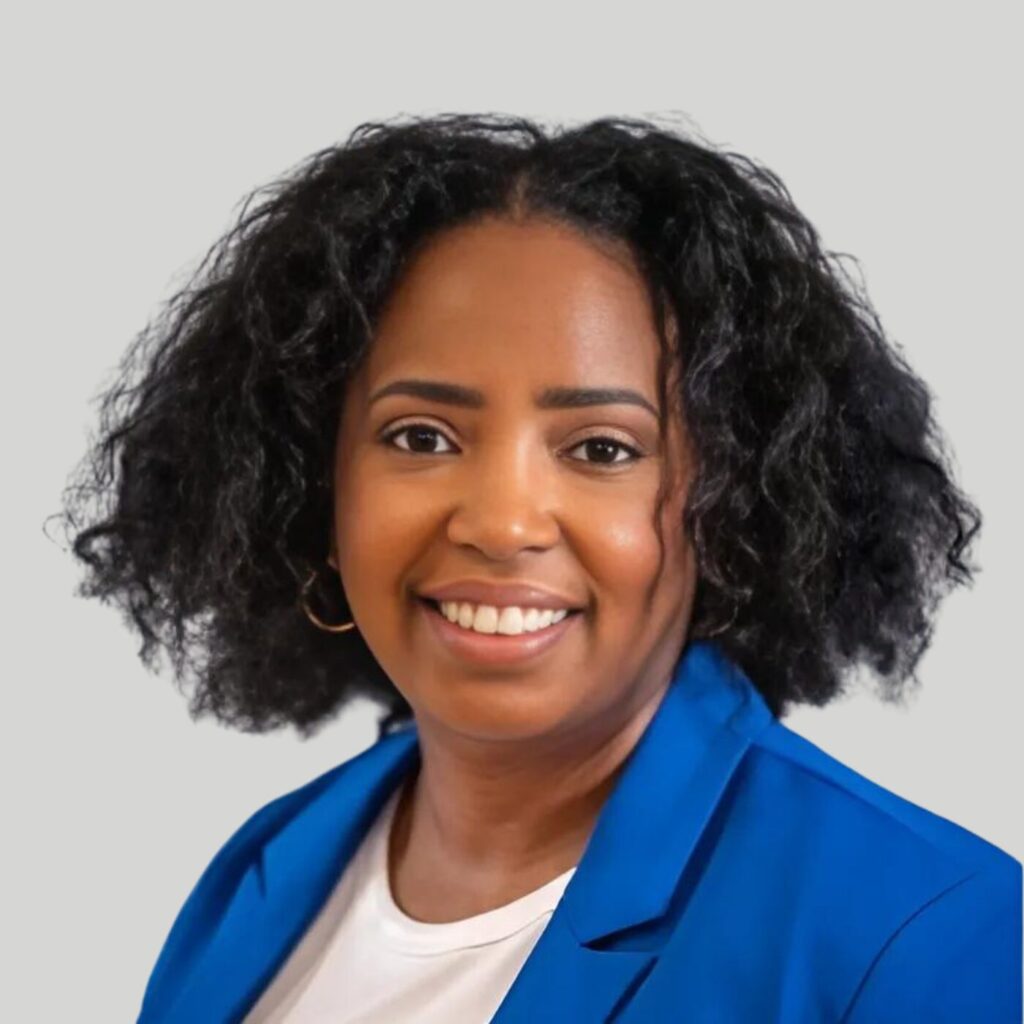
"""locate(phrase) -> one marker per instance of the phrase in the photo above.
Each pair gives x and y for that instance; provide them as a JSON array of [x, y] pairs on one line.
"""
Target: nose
[[505, 501]]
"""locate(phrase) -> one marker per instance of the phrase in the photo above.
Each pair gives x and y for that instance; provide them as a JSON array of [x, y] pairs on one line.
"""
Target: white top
[[364, 961]]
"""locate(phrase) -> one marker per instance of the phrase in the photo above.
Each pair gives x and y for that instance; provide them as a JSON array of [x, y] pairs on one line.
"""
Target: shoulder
[[928, 913], [359, 771], [245, 851], [262, 824], [849, 800]]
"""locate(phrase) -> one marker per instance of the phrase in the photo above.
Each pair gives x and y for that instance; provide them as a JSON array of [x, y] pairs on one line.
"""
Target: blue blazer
[[736, 873]]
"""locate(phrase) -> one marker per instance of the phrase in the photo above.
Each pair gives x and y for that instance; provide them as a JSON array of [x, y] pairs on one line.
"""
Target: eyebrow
[[549, 398]]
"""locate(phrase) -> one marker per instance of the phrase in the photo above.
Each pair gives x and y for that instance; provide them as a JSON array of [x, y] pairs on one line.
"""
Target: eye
[[421, 438], [602, 445]]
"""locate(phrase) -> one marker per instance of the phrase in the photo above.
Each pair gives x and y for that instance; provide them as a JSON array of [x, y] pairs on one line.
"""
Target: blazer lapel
[[586, 965]]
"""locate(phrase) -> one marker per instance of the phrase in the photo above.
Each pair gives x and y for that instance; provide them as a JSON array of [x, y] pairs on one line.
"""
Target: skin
[[516, 761]]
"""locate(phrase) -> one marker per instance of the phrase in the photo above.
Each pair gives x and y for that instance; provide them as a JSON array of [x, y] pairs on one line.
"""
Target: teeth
[[511, 621]]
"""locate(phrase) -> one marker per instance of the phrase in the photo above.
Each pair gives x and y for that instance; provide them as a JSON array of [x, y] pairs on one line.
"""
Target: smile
[[499, 647]]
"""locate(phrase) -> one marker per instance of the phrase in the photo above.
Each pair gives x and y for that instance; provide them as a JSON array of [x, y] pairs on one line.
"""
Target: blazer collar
[[629, 871], [668, 789]]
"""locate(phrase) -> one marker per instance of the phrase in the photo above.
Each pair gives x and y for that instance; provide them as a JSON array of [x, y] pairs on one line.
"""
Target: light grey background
[[130, 134]]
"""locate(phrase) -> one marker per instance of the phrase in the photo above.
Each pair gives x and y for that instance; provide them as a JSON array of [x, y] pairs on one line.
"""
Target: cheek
[[637, 573], [377, 534], [625, 552]]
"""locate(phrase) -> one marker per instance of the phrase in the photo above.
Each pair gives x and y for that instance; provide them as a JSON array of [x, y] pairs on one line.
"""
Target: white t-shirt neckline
[[363, 959]]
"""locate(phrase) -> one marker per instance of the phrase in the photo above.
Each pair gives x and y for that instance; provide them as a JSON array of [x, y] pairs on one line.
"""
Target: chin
[[493, 710]]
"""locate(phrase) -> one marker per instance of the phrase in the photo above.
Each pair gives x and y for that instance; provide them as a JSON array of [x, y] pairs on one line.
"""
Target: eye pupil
[[598, 443], [421, 433]]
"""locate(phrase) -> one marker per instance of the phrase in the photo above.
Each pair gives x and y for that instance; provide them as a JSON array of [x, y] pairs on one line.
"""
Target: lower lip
[[494, 648]]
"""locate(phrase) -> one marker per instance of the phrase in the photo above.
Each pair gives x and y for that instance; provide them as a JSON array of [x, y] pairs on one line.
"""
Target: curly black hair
[[824, 514]]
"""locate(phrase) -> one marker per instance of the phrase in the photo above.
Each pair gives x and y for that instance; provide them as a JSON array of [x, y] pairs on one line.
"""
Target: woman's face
[[504, 487]]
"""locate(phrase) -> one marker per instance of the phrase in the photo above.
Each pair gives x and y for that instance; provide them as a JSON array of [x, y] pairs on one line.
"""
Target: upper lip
[[522, 595]]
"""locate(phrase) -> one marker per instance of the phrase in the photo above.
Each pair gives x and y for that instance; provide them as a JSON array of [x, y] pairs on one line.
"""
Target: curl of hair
[[824, 515]]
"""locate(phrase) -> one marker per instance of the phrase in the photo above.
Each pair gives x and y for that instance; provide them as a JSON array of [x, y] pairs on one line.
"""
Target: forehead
[[500, 301]]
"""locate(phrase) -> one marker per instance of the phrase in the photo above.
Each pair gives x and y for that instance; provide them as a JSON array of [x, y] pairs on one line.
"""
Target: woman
[[577, 453]]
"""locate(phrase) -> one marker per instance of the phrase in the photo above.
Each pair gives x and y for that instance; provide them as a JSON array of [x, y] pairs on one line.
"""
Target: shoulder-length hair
[[825, 519]]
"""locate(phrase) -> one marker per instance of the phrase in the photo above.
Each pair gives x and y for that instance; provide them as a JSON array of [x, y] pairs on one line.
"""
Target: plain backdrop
[[130, 135]]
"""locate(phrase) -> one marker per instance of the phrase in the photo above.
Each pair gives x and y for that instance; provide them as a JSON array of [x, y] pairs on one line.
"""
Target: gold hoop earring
[[312, 617]]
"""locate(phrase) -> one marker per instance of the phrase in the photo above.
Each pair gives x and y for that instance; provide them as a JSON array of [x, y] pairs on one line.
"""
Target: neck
[[511, 809]]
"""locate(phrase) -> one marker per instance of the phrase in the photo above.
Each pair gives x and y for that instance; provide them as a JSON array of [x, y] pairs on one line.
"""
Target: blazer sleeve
[[956, 960]]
